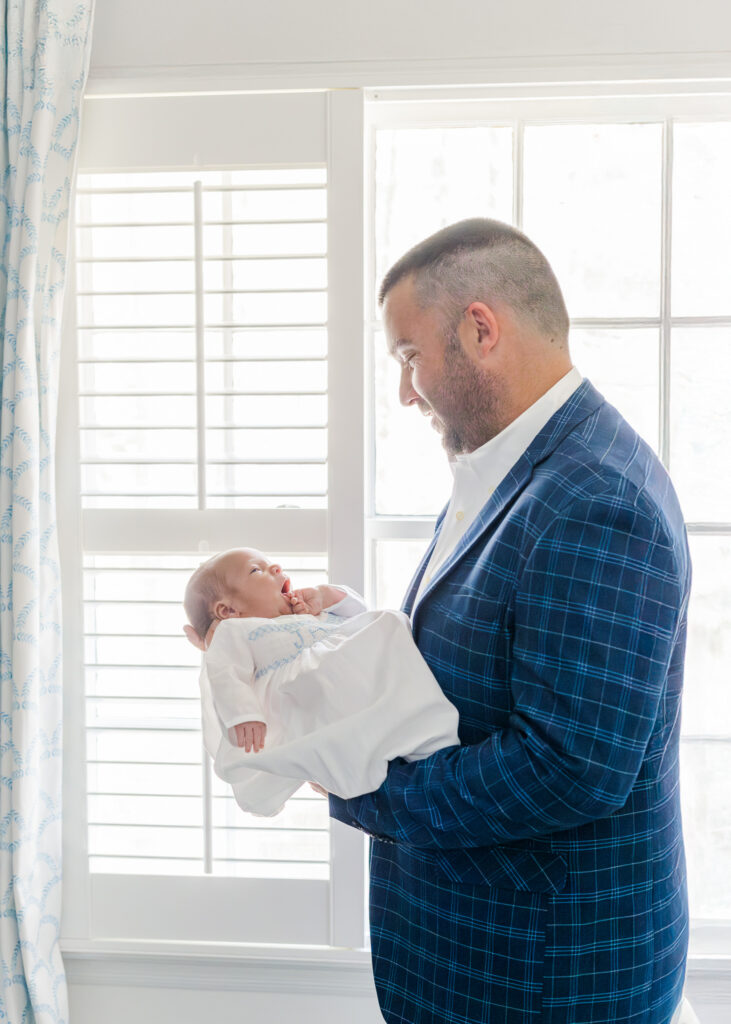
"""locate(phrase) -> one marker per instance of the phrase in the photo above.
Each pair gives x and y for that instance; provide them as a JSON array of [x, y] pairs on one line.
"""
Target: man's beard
[[469, 401]]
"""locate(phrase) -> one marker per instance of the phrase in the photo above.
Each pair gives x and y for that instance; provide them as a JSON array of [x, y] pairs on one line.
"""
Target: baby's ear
[[194, 638]]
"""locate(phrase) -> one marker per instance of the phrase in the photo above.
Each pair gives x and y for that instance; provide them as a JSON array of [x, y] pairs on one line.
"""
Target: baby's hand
[[250, 734], [307, 601]]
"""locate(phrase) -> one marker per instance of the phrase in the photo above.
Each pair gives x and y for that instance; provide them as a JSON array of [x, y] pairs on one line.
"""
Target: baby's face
[[254, 586]]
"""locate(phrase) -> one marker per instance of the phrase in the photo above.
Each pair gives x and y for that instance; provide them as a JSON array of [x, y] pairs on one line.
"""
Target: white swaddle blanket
[[340, 697]]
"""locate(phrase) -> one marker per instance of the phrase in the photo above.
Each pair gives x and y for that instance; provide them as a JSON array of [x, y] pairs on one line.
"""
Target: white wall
[[146, 33], [329, 41]]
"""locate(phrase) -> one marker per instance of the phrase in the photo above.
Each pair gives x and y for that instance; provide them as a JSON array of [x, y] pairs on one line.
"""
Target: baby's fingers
[[250, 735], [260, 731]]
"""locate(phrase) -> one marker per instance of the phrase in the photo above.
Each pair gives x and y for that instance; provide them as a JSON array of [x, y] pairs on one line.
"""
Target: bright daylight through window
[[633, 217]]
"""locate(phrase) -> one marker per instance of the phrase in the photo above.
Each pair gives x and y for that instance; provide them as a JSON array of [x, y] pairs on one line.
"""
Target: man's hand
[[250, 735], [318, 788], [194, 638], [202, 645], [307, 601]]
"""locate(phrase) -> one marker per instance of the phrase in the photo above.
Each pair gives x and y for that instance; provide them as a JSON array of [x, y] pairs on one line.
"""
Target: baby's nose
[[275, 569]]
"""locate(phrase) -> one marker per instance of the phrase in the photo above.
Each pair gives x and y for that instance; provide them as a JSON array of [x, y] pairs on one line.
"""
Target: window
[[179, 435], [199, 372], [629, 201]]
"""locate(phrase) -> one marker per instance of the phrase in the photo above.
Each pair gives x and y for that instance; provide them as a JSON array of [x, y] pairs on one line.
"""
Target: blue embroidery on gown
[[277, 642]]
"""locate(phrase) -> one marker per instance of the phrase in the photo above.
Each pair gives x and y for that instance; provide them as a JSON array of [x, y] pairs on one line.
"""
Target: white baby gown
[[340, 698]]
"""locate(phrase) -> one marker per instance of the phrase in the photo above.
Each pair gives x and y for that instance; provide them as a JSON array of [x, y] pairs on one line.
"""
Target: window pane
[[136, 276], [140, 207], [158, 241], [624, 365], [98, 346], [592, 203], [248, 411], [266, 344], [706, 800], [427, 178], [396, 563], [700, 422], [241, 203], [281, 375], [412, 472], [242, 480], [279, 307], [110, 445], [162, 378], [176, 310], [278, 444], [263, 240], [266, 274], [707, 694], [701, 219]]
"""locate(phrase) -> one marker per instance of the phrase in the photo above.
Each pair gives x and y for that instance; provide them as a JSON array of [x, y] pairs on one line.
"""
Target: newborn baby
[[301, 685]]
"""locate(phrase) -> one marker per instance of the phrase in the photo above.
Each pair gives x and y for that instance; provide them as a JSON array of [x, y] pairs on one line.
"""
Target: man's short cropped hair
[[482, 260]]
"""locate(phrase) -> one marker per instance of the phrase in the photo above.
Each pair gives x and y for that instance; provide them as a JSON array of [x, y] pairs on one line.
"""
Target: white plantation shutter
[[202, 374], [153, 805], [202, 339]]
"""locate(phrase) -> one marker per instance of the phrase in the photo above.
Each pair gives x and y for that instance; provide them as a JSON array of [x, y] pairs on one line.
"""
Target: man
[[536, 872]]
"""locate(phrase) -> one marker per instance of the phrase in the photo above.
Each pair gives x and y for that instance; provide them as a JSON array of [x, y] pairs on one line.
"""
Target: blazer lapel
[[584, 401]]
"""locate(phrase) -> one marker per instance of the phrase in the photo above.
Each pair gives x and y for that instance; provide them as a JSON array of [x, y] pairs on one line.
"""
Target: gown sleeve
[[231, 671], [352, 604]]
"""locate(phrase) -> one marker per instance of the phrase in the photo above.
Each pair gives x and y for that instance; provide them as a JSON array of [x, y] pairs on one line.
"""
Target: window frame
[[131, 133], [352, 118], [520, 106]]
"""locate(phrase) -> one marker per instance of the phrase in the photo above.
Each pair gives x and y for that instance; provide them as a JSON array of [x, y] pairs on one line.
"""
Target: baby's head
[[238, 583]]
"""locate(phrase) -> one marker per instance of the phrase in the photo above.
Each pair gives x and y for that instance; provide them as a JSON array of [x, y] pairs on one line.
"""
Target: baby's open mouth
[[285, 585]]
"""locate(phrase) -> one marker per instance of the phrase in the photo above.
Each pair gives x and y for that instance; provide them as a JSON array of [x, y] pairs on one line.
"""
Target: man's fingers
[[194, 638]]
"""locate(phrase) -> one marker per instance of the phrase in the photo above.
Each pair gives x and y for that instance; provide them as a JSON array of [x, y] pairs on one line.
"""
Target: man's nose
[[406, 394]]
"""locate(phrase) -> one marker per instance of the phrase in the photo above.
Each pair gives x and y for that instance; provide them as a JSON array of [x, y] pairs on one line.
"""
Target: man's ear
[[479, 330]]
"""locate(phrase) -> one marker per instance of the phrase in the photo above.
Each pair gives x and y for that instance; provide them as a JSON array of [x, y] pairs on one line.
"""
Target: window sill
[[307, 970]]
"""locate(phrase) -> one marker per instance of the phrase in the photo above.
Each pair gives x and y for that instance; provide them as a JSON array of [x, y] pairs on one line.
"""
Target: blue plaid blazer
[[537, 872]]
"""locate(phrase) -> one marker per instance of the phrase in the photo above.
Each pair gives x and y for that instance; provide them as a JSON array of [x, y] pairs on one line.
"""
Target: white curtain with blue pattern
[[44, 65]]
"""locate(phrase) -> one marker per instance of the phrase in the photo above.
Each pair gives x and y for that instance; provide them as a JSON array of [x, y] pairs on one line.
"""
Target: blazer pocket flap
[[505, 867]]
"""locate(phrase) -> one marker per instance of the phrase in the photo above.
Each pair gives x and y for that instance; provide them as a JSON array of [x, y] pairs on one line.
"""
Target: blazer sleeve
[[597, 610]]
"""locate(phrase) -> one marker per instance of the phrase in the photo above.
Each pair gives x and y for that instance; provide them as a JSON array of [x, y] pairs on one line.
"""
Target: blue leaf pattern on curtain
[[44, 66]]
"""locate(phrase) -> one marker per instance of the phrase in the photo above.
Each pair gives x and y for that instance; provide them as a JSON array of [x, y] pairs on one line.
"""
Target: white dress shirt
[[477, 474]]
